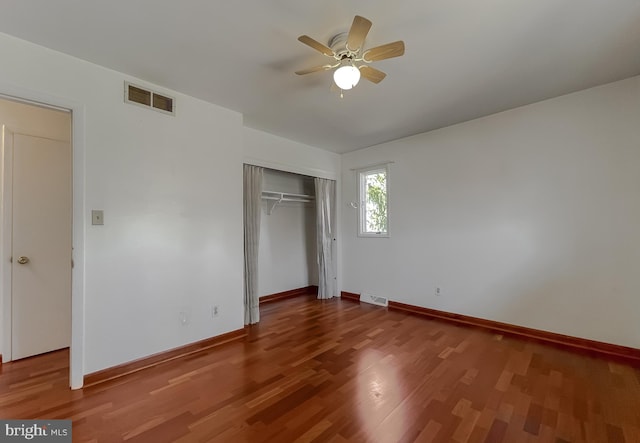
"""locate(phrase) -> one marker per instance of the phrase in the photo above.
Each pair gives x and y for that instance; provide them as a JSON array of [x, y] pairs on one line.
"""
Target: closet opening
[[289, 237], [288, 251]]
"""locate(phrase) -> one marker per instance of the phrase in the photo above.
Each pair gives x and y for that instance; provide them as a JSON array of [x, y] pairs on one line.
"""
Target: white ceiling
[[464, 58]]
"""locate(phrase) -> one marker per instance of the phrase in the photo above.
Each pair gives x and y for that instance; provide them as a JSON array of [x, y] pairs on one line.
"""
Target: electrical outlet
[[438, 292], [214, 311], [184, 318]]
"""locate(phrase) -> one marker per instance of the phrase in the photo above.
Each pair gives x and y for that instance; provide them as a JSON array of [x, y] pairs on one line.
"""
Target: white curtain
[[252, 212], [325, 228]]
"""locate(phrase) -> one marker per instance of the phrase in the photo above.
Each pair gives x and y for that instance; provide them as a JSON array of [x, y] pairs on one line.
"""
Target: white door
[[41, 246]]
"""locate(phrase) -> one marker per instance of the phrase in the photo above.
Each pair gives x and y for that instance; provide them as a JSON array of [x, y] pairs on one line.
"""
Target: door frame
[[76, 358]]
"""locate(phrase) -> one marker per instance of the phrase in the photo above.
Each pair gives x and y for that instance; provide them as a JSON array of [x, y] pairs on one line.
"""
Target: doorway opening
[[41, 298]]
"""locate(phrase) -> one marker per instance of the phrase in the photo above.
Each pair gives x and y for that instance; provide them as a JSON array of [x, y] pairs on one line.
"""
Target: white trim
[[76, 364], [78, 147], [32, 103], [338, 236], [311, 172], [6, 229], [373, 166], [380, 167]]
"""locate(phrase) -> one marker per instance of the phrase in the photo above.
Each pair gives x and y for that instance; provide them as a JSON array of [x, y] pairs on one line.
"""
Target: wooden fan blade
[[372, 74], [316, 45], [314, 69], [358, 32], [390, 50]]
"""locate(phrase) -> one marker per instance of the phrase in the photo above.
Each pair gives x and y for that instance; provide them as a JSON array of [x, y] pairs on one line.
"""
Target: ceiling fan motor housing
[[338, 44]]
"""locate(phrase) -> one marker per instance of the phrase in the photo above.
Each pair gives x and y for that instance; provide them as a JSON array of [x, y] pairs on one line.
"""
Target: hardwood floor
[[338, 371]]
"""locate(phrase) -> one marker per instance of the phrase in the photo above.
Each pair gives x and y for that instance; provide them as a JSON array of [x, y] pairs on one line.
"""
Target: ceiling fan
[[350, 57]]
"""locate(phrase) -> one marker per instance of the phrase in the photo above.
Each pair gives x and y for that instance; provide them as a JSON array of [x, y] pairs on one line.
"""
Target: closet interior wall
[[287, 253]]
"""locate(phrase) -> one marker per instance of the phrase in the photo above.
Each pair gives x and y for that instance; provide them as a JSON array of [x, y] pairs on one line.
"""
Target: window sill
[[371, 235]]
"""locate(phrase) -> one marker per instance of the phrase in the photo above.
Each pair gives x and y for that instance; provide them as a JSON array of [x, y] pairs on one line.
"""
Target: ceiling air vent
[[149, 99]]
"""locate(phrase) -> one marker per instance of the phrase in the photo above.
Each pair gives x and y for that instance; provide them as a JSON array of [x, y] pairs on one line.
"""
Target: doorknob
[[23, 260]]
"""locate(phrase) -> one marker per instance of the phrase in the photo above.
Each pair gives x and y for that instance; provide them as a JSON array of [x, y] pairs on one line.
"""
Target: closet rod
[[285, 194], [278, 197]]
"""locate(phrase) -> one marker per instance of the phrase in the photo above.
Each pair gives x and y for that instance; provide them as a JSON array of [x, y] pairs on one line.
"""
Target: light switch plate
[[97, 217]]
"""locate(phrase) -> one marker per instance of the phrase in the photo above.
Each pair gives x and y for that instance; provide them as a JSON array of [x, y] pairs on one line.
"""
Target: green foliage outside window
[[376, 202]]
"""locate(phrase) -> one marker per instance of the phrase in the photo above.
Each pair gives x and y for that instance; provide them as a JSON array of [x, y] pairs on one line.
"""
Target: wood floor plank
[[338, 371]]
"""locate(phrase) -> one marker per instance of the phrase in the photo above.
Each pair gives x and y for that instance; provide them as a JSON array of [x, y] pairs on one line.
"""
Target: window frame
[[362, 203]]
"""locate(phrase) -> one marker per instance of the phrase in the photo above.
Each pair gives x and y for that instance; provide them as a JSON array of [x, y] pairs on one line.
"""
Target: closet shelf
[[275, 198]]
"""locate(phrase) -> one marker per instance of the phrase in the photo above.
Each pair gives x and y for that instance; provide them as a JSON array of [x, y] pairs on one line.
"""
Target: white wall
[[271, 151], [287, 253], [172, 239], [528, 217]]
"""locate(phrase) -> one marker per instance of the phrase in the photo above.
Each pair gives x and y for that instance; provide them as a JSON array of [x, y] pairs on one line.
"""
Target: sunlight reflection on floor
[[380, 393]]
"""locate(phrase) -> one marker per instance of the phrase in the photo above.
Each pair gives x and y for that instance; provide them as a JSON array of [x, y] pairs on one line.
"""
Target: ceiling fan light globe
[[346, 77]]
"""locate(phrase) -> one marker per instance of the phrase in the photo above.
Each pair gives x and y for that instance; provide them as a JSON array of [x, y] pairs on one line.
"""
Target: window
[[372, 195]]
